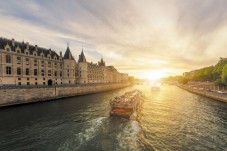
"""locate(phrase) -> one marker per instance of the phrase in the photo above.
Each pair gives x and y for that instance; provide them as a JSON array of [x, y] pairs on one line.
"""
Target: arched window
[[18, 50]]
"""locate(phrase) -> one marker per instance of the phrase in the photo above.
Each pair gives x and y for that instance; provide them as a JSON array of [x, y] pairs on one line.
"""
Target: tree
[[224, 74], [219, 82], [131, 79]]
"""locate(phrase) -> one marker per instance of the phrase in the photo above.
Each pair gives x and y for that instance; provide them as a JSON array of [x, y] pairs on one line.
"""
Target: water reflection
[[171, 119]]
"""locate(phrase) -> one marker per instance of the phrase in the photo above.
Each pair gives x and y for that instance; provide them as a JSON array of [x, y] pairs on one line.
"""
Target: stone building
[[24, 64]]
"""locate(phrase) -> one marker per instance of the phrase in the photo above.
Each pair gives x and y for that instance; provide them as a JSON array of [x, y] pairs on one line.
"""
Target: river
[[171, 119]]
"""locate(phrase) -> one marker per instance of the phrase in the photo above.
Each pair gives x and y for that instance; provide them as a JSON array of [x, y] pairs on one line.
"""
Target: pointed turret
[[68, 54], [101, 63], [82, 57]]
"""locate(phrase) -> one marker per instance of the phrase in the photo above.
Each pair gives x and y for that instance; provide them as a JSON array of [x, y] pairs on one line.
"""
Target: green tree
[[219, 82], [131, 79], [224, 74]]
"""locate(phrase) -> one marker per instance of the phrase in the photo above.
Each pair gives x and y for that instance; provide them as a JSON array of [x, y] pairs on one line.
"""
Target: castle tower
[[69, 65], [82, 69], [101, 63]]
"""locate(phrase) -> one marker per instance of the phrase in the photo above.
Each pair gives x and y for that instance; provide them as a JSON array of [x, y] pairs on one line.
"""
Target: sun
[[154, 75]]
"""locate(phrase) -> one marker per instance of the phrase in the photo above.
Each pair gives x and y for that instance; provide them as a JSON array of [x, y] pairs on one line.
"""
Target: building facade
[[24, 64]]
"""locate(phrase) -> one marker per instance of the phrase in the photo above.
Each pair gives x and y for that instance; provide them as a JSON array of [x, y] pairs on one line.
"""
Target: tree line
[[216, 74]]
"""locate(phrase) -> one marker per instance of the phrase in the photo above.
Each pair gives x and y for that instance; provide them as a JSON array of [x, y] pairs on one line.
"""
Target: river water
[[171, 119]]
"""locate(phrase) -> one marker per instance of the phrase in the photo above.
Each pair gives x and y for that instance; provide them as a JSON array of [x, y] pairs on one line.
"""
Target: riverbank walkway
[[213, 94]]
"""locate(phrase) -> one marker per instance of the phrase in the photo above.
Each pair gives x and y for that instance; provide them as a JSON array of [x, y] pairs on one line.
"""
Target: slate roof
[[68, 54], [22, 46], [82, 57]]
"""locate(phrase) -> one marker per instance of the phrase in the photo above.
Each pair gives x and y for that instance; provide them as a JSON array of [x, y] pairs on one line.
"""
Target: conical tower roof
[[68, 54], [82, 57]]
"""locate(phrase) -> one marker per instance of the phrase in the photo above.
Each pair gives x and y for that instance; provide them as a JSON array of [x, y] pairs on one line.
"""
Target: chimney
[[36, 48], [27, 45], [13, 42], [61, 54]]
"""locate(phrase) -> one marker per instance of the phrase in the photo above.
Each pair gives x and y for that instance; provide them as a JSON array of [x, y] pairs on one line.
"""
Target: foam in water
[[127, 139], [82, 138]]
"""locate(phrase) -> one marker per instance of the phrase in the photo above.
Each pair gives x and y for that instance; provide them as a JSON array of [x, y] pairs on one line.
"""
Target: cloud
[[131, 35]]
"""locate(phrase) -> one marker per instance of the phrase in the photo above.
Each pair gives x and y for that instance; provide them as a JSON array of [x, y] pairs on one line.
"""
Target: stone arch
[[50, 82]]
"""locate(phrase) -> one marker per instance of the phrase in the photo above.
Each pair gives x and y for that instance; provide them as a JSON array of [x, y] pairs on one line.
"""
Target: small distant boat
[[127, 105], [155, 88]]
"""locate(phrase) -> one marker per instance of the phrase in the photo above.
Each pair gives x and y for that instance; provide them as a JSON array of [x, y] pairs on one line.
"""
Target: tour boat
[[127, 105]]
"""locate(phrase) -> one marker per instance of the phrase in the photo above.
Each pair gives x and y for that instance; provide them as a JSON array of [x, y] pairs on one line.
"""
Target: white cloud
[[144, 34]]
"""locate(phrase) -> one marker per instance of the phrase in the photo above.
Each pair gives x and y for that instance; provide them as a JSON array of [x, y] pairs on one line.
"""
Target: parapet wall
[[20, 95]]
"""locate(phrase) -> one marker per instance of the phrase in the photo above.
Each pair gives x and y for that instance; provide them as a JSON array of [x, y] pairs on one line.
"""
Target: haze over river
[[171, 119]]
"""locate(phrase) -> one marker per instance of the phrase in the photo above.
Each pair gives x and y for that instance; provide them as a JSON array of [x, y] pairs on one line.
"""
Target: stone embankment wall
[[206, 93], [20, 95]]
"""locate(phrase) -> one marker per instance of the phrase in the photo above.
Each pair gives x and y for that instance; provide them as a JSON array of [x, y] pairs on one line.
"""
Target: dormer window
[[18, 50], [42, 55], [26, 53], [35, 54], [8, 49]]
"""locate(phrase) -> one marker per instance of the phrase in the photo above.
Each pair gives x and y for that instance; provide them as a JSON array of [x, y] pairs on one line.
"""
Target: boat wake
[[83, 138], [128, 138]]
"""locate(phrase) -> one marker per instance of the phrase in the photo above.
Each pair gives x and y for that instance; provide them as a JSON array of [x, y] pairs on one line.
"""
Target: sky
[[144, 38]]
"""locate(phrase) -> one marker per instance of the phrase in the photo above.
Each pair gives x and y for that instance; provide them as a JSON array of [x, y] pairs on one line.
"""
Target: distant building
[[24, 64]]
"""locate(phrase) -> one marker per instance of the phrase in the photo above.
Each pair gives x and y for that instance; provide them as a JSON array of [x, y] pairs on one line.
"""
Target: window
[[49, 73], [55, 64], [18, 71], [19, 78], [35, 62], [8, 59], [18, 51], [35, 78], [26, 53], [44, 83], [8, 70], [35, 72], [27, 71], [7, 49], [60, 65], [60, 73], [36, 83], [42, 63], [55, 73], [49, 64], [18, 60], [27, 61], [19, 83], [43, 73], [28, 83], [28, 79]]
